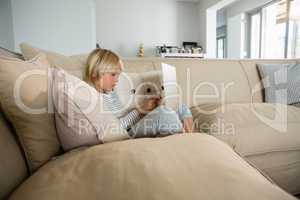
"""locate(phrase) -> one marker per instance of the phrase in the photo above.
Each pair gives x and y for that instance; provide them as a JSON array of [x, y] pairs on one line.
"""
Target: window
[[294, 30], [221, 47], [275, 30], [273, 33], [255, 35]]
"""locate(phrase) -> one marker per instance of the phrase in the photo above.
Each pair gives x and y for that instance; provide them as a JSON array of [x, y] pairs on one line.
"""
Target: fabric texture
[[260, 131], [184, 112], [181, 166], [281, 82], [75, 65], [114, 104], [253, 76], [160, 121], [13, 169], [7, 53], [24, 100], [135, 88], [82, 118]]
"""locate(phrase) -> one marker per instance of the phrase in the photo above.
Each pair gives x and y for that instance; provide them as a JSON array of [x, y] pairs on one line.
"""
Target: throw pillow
[[281, 82], [73, 64], [81, 117], [7, 53], [24, 100]]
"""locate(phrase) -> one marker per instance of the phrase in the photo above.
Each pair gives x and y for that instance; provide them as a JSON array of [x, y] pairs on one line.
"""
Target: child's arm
[[130, 119], [135, 115]]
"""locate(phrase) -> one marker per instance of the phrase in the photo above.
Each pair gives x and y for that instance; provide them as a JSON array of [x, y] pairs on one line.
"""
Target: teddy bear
[[134, 88]]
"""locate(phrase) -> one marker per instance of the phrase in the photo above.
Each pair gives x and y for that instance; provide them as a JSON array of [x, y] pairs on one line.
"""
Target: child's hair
[[101, 61]]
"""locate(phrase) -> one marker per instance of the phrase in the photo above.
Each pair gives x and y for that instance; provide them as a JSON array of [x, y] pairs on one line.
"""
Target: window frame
[[250, 14], [223, 38], [259, 11]]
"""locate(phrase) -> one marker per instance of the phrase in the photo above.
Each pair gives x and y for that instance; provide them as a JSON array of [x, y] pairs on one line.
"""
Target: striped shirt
[[114, 104]]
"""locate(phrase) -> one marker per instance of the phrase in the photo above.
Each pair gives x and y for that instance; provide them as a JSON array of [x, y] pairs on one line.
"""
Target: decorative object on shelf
[[192, 47], [141, 50], [98, 46], [182, 55], [167, 49], [188, 50]]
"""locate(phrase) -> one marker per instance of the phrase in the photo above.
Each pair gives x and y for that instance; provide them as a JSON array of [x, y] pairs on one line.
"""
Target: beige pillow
[[27, 108], [73, 64], [7, 53], [81, 117]]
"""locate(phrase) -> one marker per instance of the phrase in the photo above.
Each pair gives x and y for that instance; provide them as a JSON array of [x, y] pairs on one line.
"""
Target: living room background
[[73, 27], [221, 27]]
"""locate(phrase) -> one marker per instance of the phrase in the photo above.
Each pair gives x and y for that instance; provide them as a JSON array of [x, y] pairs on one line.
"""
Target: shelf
[[182, 55]]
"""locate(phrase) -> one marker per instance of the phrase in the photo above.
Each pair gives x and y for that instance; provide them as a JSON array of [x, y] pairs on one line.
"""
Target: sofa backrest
[[212, 80], [13, 168]]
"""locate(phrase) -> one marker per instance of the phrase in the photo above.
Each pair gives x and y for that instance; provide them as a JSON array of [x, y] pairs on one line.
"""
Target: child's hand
[[149, 104]]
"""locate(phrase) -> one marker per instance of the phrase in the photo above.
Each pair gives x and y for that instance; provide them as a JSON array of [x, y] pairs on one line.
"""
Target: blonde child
[[151, 119]]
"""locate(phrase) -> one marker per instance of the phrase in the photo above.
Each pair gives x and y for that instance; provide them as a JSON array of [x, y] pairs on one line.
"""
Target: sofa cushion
[[24, 99], [283, 167], [265, 127], [81, 117], [253, 76], [74, 65], [13, 168], [281, 82], [7, 53], [182, 166], [257, 130]]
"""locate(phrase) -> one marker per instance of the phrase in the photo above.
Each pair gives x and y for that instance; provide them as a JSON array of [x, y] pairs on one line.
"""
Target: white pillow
[[81, 117]]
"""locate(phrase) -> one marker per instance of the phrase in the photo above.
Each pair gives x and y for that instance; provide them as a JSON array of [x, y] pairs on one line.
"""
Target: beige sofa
[[231, 107], [227, 83]]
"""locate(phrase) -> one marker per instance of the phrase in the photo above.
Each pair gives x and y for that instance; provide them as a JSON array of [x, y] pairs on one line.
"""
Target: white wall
[[236, 36], [208, 16], [123, 25], [211, 33], [64, 26], [6, 27], [202, 7]]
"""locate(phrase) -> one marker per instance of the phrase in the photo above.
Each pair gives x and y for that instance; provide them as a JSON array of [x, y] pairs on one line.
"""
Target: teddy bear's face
[[134, 88], [151, 86]]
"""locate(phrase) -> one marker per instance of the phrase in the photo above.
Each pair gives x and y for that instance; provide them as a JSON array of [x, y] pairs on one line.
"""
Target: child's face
[[107, 81]]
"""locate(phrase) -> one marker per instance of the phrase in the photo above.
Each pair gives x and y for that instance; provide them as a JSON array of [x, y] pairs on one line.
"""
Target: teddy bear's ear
[[153, 77]]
